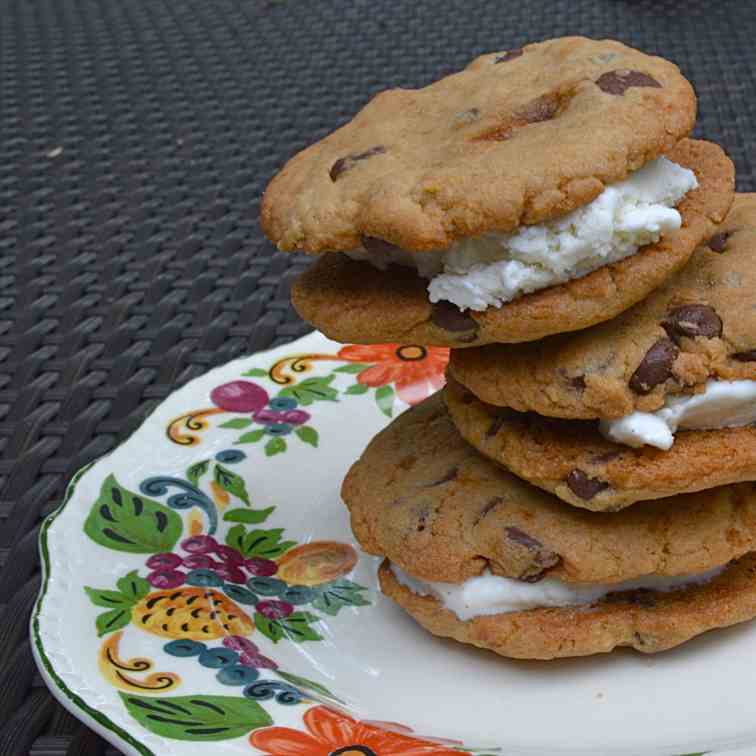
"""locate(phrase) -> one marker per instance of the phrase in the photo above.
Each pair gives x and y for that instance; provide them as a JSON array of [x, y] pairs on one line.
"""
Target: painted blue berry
[[267, 586], [217, 658], [279, 429], [230, 456], [283, 403], [238, 674], [204, 578], [184, 648], [240, 595]]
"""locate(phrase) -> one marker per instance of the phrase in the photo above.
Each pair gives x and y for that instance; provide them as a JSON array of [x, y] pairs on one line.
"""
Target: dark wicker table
[[136, 137]]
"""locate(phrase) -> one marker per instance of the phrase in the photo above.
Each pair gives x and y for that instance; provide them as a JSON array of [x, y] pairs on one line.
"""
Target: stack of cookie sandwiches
[[544, 213]]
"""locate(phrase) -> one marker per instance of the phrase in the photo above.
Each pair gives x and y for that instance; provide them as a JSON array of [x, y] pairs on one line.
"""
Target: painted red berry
[[260, 567], [274, 610], [165, 561], [239, 396]]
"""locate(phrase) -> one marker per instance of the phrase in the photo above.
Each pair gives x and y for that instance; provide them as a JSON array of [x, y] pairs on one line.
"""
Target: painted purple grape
[[258, 661], [199, 562], [239, 396], [260, 567], [165, 561], [268, 417], [283, 403], [230, 573], [296, 417], [230, 555], [166, 578], [275, 610], [201, 544], [240, 644]]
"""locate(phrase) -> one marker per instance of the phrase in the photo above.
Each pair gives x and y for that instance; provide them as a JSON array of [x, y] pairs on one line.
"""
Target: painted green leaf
[[108, 599], [352, 367], [256, 373], [357, 388], [196, 471], [269, 628], [275, 446], [296, 627], [133, 587], [109, 622], [197, 718], [305, 685], [248, 516], [238, 423], [308, 434], [231, 482], [125, 521], [340, 593], [250, 438], [384, 398], [258, 543], [312, 390]]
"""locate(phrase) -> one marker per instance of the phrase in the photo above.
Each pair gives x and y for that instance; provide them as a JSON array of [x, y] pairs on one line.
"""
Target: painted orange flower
[[415, 371], [330, 733]]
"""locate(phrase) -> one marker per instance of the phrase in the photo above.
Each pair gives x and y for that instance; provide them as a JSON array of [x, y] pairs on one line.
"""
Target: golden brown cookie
[[573, 460], [516, 138], [695, 327], [427, 501], [354, 302], [658, 622]]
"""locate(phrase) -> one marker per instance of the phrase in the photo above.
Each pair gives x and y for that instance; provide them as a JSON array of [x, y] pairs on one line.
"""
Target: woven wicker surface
[[135, 139]]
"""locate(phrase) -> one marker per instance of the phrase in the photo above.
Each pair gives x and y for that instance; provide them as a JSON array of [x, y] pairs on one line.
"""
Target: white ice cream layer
[[723, 404], [488, 270], [491, 594]]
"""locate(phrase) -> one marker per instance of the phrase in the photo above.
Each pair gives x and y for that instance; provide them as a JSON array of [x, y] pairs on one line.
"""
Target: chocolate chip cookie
[[431, 504], [351, 301], [517, 138], [656, 622], [573, 460], [700, 325]]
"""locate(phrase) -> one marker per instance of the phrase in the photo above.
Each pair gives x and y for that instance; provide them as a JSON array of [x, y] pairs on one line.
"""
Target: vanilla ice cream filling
[[722, 404], [489, 270], [491, 594]]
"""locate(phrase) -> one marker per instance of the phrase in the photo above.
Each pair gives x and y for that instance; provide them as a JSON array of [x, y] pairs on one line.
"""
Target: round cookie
[[516, 138], [701, 324], [573, 460], [659, 622], [427, 501], [354, 302]]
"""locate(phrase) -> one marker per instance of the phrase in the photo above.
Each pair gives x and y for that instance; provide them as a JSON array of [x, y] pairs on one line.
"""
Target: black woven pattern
[[135, 139]]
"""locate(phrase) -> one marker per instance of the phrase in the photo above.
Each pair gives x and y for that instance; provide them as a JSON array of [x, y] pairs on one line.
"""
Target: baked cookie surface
[[352, 301], [701, 324], [571, 458], [518, 137], [649, 623], [431, 504]]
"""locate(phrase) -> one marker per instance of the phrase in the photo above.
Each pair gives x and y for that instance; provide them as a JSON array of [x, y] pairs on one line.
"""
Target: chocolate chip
[[718, 242], [543, 557], [449, 317], [745, 356], [377, 246], [583, 486], [619, 81], [507, 56], [693, 320], [345, 163], [578, 382], [655, 367], [490, 506], [600, 459], [450, 475], [539, 110]]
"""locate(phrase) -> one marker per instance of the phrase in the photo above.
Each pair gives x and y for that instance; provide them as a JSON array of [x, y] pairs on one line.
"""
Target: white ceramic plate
[[252, 455]]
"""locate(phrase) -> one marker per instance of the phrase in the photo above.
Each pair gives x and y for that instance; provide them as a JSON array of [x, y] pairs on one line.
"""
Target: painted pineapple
[[191, 614]]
